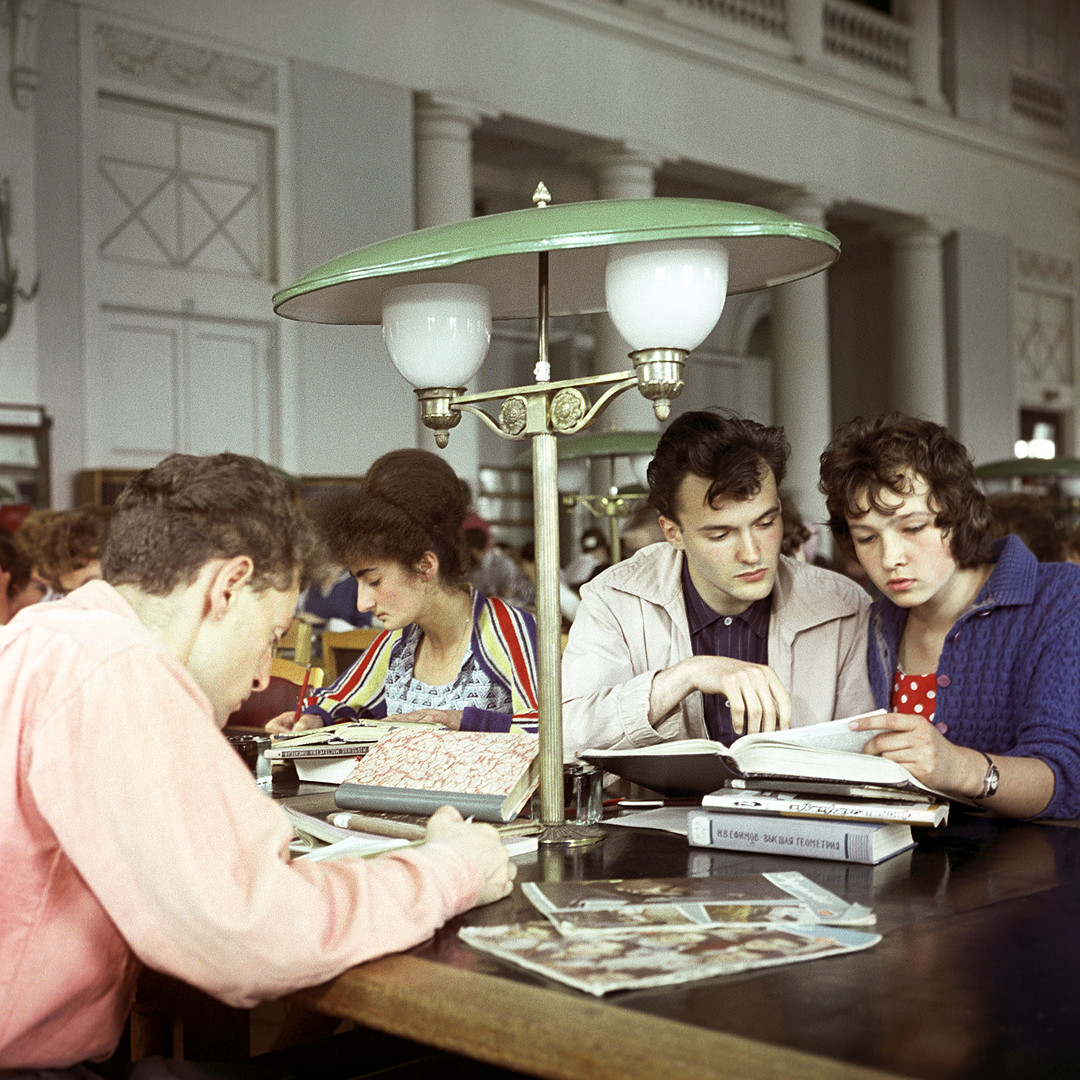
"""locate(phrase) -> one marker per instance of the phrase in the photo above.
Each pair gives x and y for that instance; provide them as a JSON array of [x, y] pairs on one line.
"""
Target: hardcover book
[[488, 775], [821, 754], [845, 841], [792, 804]]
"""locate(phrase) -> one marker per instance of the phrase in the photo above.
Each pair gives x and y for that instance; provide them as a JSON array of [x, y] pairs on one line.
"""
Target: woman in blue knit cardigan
[[974, 646]]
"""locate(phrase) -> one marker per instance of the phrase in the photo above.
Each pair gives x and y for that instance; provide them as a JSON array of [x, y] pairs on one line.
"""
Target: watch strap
[[991, 779]]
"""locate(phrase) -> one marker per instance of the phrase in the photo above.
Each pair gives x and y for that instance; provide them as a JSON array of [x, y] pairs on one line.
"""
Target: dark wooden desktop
[[977, 974]]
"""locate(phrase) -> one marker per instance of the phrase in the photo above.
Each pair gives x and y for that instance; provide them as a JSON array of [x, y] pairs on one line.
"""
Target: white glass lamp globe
[[437, 335], [666, 294]]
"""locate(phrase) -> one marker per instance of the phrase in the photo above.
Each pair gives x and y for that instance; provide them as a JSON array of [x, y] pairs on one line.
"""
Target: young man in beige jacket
[[713, 633]]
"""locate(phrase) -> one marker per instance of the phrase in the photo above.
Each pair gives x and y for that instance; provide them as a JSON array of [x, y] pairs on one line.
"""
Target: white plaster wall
[[18, 350], [353, 165], [58, 147], [594, 70], [983, 412]]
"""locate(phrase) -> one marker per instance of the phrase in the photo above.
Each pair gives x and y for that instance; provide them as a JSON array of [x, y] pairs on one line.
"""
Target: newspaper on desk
[[602, 936]]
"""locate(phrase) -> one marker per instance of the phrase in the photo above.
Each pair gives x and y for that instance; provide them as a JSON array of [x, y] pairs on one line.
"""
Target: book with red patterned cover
[[486, 774]]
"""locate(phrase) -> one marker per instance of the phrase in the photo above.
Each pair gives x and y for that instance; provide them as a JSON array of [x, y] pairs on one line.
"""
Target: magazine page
[[601, 964], [654, 905]]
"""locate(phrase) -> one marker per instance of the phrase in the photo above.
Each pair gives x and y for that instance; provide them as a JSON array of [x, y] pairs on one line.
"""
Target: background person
[[133, 833], [713, 633], [69, 548], [975, 646], [17, 588], [494, 572], [1028, 517], [449, 654]]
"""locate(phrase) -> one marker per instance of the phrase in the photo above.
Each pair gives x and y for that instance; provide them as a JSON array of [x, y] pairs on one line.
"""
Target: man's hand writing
[[284, 722], [482, 845]]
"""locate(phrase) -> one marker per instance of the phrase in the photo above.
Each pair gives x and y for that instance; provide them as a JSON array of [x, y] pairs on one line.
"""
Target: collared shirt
[[743, 637]]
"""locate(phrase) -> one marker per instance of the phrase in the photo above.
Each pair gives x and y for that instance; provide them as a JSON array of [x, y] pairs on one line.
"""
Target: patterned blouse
[[495, 687]]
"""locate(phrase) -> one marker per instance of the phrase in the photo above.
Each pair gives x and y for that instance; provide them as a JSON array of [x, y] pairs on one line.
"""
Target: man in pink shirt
[[130, 832]]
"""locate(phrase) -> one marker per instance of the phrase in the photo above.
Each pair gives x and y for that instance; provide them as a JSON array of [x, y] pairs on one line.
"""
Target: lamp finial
[[541, 196]]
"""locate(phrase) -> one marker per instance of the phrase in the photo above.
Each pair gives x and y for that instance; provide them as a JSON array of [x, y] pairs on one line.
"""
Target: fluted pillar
[[918, 369], [924, 17], [806, 30], [443, 130], [800, 346], [622, 173]]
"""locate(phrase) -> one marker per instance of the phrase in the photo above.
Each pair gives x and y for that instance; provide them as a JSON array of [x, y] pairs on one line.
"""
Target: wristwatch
[[990, 780]]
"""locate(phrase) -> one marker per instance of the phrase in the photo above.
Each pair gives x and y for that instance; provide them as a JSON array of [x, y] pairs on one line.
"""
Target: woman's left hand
[[919, 745], [450, 718]]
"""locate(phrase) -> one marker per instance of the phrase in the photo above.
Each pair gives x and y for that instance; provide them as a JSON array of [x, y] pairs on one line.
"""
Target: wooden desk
[[977, 975]]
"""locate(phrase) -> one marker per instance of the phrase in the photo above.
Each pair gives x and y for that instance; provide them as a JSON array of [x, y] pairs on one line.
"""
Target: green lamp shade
[[499, 252], [602, 444], [1059, 466]]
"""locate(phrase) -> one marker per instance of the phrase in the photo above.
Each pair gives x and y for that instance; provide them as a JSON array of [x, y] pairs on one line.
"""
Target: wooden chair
[[340, 648], [286, 679], [296, 642]]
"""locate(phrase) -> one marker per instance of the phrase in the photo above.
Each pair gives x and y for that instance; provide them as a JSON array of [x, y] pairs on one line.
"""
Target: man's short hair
[[869, 458], [731, 452], [171, 520]]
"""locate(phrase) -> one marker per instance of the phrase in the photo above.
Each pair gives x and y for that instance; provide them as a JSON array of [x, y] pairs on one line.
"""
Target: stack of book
[[328, 754], [807, 791]]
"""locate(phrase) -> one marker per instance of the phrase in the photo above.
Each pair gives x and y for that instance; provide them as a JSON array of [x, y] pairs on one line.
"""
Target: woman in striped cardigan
[[447, 653]]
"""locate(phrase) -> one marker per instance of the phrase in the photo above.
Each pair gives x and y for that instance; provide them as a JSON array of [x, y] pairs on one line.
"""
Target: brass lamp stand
[[557, 260]]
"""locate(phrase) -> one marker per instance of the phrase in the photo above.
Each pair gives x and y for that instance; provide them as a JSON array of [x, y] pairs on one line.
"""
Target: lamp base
[[659, 375], [571, 834], [435, 410]]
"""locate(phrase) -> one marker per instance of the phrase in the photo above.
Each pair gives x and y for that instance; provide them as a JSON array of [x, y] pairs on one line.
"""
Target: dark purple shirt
[[742, 637]]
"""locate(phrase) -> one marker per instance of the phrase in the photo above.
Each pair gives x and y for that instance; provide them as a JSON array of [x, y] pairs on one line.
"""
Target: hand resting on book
[[757, 699], [482, 845], [956, 771]]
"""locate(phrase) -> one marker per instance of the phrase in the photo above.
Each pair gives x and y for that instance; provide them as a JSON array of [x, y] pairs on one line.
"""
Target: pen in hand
[[401, 830], [300, 699]]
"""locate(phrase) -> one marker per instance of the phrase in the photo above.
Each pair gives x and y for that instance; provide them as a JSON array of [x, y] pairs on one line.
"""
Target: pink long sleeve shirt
[[130, 832]]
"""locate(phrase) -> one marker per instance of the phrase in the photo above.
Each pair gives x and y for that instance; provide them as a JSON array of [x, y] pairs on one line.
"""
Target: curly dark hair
[[730, 451], [169, 521], [69, 541], [15, 563], [869, 457], [409, 502]]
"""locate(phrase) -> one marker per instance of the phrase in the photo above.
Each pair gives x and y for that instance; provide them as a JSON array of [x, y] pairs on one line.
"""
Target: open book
[[820, 756], [486, 774]]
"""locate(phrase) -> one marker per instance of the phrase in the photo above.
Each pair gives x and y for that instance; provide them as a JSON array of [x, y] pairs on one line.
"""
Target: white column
[[924, 18], [806, 30], [918, 321], [622, 173], [800, 347], [443, 131]]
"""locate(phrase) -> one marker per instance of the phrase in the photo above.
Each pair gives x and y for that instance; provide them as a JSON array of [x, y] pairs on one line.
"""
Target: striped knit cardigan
[[503, 643]]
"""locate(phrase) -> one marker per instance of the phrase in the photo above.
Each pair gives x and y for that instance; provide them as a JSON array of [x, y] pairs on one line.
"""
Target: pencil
[[300, 699]]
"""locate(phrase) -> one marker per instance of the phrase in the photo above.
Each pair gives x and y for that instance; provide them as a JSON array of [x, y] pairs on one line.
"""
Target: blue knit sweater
[[1009, 671]]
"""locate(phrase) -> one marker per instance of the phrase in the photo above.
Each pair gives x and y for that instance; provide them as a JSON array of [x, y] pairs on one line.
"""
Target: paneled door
[[184, 383]]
